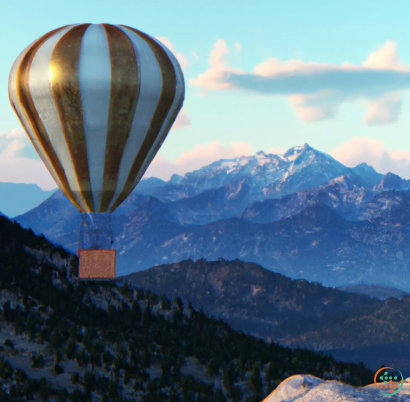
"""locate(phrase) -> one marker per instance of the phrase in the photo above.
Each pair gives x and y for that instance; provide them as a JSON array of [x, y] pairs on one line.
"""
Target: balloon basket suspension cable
[[96, 253]]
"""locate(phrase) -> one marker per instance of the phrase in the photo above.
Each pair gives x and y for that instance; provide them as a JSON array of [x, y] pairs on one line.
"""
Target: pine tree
[[212, 367], [75, 378], [70, 349], [179, 304], [147, 316], [40, 361]]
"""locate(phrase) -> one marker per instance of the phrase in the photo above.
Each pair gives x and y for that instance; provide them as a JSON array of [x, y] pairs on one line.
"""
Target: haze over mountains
[[18, 198], [90, 339], [375, 290], [292, 312], [302, 214]]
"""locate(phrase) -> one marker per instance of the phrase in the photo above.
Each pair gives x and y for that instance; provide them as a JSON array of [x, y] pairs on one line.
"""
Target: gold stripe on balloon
[[164, 104], [166, 129], [39, 150], [124, 93], [22, 87], [65, 86]]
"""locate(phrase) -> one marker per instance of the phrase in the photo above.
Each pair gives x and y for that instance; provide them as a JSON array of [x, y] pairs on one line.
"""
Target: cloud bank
[[200, 156], [16, 168], [351, 153], [182, 121], [217, 76], [317, 90], [373, 152]]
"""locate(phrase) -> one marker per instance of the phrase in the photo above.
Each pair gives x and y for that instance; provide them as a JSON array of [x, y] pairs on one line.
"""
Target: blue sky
[[356, 113]]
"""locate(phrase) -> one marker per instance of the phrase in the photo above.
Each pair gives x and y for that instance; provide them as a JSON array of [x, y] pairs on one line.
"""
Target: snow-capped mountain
[[302, 214], [266, 175]]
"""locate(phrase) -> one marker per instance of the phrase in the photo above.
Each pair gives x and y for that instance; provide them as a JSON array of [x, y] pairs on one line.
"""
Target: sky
[[260, 75]]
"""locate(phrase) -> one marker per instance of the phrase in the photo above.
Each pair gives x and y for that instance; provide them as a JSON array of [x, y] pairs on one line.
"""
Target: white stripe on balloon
[[172, 114], [150, 78], [95, 73], [44, 102]]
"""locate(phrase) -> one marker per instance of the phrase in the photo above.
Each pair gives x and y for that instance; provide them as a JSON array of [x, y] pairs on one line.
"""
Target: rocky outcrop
[[306, 388]]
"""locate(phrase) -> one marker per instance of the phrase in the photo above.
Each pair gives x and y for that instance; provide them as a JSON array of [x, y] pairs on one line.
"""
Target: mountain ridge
[[295, 313], [62, 338], [341, 231]]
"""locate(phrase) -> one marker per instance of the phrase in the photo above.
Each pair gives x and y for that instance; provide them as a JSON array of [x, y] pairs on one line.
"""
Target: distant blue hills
[[302, 214]]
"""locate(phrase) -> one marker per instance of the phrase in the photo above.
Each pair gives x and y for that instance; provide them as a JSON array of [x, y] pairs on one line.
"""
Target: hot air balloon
[[97, 101]]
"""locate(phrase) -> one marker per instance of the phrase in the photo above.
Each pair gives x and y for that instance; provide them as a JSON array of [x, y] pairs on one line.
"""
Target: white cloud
[[218, 55], [15, 134], [238, 47], [386, 58], [12, 142], [317, 106], [384, 110], [373, 152], [15, 168], [182, 121], [200, 156], [317, 90], [183, 60], [25, 170], [217, 75], [277, 150]]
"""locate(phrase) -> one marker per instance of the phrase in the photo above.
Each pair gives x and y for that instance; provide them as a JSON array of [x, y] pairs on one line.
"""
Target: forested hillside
[[80, 341]]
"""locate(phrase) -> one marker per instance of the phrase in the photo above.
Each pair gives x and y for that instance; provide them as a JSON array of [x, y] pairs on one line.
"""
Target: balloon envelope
[[97, 101]]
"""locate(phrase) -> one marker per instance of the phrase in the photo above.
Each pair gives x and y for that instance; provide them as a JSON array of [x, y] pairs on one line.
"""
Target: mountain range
[[302, 214], [375, 290], [292, 312], [64, 339]]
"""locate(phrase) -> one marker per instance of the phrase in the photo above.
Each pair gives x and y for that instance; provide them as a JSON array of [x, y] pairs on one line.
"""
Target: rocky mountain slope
[[294, 312], [375, 290], [317, 244], [62, 339], [305, 388], [302, 214], [250, 297]]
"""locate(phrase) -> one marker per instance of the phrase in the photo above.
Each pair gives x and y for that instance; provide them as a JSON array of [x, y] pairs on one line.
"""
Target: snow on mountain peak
[[292, 153], [263, 158], [243, 160], [263, 170], [228, 163], [259, 159]]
